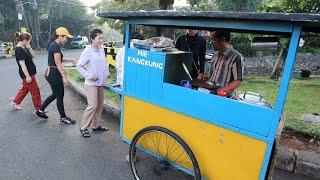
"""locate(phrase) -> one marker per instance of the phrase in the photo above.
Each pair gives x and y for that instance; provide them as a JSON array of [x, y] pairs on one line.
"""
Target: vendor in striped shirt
[[226, 65]]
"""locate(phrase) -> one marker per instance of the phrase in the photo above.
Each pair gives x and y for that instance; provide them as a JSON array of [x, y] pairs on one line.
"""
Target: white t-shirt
[[119, 65], [93, 62]]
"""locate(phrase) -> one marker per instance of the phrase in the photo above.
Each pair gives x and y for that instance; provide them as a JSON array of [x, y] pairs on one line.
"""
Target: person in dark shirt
[[27, 71], [56, 75], [192, 42]]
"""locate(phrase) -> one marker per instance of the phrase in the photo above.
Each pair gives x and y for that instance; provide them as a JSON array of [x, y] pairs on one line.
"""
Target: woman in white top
[[119, 66], [93, 67]]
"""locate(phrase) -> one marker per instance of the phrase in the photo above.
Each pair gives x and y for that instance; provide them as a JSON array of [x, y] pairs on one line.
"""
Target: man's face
[[192, 32], [216, 43]]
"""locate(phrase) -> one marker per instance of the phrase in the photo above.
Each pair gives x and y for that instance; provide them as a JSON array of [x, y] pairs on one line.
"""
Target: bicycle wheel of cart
[[158, 153]]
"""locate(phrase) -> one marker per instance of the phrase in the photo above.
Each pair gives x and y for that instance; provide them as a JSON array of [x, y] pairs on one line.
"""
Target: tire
[[160, 165]]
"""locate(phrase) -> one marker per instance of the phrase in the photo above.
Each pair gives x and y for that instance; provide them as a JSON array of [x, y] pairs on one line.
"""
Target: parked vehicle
[[6, 49], [79, 42]]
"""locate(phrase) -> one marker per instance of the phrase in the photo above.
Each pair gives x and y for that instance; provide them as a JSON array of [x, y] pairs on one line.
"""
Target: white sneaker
[[15, 106], [127, 158]]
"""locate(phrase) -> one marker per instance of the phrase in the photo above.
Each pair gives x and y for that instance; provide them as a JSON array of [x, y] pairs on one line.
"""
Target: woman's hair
[[21, 36], [94, 33]]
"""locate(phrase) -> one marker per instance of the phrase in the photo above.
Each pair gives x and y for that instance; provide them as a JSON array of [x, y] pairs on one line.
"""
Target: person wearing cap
[[56, 75]]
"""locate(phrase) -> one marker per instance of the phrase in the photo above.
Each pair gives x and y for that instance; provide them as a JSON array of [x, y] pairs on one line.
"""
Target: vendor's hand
[[94, 78], [28, 79], [221, 92], [200, 76]]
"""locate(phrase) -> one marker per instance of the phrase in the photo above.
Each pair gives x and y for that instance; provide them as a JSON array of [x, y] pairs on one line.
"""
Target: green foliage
[[200, 5], [71, 15], [239, 5], [291, 6], [8, 19], [242, 43]]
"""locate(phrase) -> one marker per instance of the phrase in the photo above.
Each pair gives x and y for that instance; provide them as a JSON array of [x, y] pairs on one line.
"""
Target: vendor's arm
[[237, 73], [231, 86]]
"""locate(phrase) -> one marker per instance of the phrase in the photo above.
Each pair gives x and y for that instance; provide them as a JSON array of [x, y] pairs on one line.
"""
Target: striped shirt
[[226, 67]]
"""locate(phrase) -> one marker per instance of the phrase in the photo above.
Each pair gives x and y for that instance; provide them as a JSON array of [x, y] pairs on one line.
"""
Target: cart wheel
[[158, 153]]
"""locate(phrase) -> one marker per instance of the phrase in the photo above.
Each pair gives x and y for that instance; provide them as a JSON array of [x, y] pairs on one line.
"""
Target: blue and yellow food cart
[[181, 133]]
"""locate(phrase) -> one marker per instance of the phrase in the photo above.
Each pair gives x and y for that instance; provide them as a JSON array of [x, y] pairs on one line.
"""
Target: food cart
[[176, 132]]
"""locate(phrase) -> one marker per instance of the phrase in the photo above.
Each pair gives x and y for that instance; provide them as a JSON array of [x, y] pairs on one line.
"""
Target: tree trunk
[[278, 67], [165, 5], [37, 25]]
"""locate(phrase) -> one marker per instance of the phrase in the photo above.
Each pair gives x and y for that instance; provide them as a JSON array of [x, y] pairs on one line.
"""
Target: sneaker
[[15, 106], [40, 114], [67, 120]]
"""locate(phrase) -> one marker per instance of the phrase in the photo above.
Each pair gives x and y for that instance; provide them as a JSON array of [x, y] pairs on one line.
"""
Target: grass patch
[[111, 96], [303, 98], [75, 75]]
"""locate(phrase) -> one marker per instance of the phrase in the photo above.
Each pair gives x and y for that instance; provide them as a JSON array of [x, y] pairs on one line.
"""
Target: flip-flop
[[85, 133], [100, 128]]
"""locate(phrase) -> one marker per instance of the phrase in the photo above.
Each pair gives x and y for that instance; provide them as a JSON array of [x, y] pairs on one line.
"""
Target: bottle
[[186, 83]]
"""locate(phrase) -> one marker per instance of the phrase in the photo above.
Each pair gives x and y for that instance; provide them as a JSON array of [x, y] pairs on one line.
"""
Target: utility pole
[[18, 10], [37, 24], [50, 16]]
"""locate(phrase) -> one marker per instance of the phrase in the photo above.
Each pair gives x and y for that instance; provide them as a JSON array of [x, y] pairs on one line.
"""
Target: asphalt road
[[33, 148]]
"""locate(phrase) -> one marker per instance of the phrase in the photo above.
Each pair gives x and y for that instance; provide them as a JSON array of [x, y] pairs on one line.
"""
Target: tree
[[8, 20], [239, 5], [41, 17], [291, 6]]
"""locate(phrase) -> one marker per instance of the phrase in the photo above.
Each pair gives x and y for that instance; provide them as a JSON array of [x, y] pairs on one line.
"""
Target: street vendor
[[192, 42], [226, 66]]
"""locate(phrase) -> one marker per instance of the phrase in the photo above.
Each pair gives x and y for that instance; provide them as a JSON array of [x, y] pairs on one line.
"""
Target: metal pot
[[254, 98]]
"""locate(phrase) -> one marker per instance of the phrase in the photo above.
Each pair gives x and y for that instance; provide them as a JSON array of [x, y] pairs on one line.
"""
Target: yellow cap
[[63, 32]]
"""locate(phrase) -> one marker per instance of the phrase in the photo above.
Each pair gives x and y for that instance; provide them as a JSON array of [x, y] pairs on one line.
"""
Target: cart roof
[[309, 22]]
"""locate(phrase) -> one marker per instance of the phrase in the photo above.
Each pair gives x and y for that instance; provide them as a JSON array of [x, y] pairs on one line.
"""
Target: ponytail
[[21, 36]]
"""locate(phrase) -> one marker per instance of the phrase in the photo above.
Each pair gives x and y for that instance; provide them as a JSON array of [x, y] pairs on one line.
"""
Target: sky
[[94, 2], [90, 2]]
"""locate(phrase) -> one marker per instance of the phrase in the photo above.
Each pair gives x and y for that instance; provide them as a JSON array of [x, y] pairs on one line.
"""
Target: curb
[[109, 108], [299, 162], [292, 160]]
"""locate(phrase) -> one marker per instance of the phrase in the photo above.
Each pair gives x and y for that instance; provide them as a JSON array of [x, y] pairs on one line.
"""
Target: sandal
[[85, 132], [100, 128]]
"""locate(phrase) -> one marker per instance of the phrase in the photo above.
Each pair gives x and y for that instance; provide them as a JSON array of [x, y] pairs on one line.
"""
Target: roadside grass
[[303, 97], [111, 96]]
